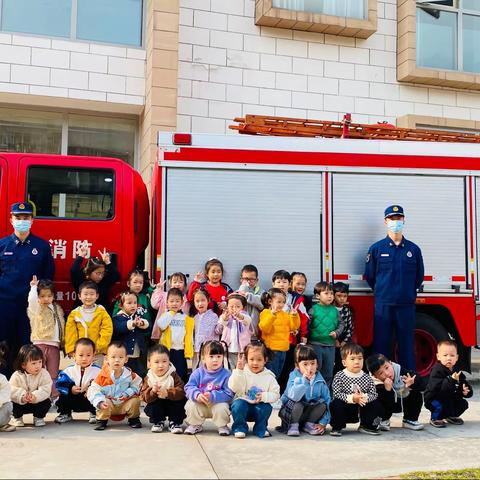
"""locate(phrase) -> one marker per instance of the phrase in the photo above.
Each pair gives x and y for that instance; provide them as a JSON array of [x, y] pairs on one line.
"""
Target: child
[[255, 389], [115, 390], [275, 326], [163, 392], [206, 323], [177, 332], [98, 270], [89, 320], [398, 390], [159, 299], [5, 393], [306, 398], [324, 329], [235, 326], [354, 395], [207, 391], [253, 293], [212, 281], [73, 383], [298, 285], [341, 291], [31, 386], [447, 387], [47, 323], [129, 328]]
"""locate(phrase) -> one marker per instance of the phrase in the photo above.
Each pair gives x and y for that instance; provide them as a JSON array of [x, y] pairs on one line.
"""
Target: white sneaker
[[384, 426], [39, 422], [239, 434], [157, 428], [92, 419], [175, 429], [18, 422], [63, 418], [412, 424], [224, 431]]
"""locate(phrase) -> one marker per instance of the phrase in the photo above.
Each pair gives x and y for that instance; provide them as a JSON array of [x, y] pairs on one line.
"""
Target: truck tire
[[428, 332]]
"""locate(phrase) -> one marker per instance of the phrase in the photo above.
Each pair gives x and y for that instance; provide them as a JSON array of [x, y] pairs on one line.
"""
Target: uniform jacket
[[166, 338], [174, 393], [216, 383], [126, 332], [39, 385], [73, 376], [393, 272], [19, 261], [100, 329], [119, 389], [276, 328], [246, 384]]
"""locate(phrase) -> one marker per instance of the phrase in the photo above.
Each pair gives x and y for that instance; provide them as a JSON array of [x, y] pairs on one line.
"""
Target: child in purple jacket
[[208, 393]]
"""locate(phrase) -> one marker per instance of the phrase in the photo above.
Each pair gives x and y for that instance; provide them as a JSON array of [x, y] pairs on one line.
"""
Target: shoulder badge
[[409, 254], [367, 258], [35, 251]]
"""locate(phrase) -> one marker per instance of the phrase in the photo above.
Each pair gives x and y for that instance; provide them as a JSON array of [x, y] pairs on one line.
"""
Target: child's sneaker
[[336, 433], [438, 423], [38, 422], [267, 434], [239, 434], [193, 429], [101, 425], [293, 431], [63, 418], [157, 428], [455, 420], [18, 422], [92, 419], [309, 427], [368, 431], [8, 428], [135, 422], [412, 424], [224, 431], [175, 429], [384, 425]]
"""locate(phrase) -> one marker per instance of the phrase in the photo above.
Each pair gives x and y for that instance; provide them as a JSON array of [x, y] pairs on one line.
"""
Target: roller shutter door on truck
[[434, 220], [270, 219]]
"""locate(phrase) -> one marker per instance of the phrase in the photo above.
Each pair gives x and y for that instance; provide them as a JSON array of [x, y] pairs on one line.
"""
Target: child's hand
[[240, 362], [34, 281], [83, 250], [76, 390], [23, 398], [294, 311], [388, 384], [319, 428], [337, 344], [466, 390], [303, 340], [162, 393], [155, 388], [199, 277], [360, 399], [222, 306], [105, 256], [160, 284], [332, 334], [202, 398], [258, 397], [103, 406], [33, 398], [456, 376], [408, 380]]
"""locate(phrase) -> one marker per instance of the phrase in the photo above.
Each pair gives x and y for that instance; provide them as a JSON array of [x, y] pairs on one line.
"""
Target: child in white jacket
[[255, 389], [5, 392]]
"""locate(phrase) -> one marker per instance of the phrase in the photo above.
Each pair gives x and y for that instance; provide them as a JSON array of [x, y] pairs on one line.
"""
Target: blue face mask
[[22, 226], [395, 226]]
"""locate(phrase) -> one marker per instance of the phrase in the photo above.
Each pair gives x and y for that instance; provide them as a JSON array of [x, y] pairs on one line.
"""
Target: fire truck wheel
[[428, 332]]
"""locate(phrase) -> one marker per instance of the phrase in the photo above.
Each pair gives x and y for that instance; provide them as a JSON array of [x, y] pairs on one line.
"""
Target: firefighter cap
[[394, 210], [22, 207]]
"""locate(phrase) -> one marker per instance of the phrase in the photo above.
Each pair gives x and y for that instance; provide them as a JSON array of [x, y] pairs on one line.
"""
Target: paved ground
[[74, 450]]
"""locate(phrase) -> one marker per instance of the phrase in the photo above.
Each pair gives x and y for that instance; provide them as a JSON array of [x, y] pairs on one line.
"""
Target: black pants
[[304, 412], [412, 404], [39, 409], [137, 365], [288, 366], [343, 413], [177, 357], [446, 406], [66, 404], [160, 409]]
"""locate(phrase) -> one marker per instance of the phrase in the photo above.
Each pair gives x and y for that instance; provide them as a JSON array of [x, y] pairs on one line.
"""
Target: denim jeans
[[326, 361], [243, 412], [275, 365]]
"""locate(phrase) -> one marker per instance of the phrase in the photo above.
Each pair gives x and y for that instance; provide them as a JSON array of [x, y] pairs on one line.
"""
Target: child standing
[[275, 326], [47, 323], [354, 395], [5, 394], [206, 323], [399, 390], [235, 326], [31, 386], [255, 389], [253, 293], [306, 398], [211, 280], [341, 291], [324, 329], [115, 391], [129, 328], [163, 392], [177, 332], [101, 271], [89, 320], [447, 387], [73, 383], [208, 393]]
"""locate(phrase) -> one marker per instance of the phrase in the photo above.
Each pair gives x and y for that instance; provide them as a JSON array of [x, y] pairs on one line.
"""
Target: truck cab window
[[75, 193]]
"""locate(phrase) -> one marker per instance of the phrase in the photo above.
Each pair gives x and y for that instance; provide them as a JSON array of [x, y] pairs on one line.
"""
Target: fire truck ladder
[[296, 127]]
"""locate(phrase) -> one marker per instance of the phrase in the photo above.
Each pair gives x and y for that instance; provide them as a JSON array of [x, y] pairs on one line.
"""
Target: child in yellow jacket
[[89, 320], [275, 326]]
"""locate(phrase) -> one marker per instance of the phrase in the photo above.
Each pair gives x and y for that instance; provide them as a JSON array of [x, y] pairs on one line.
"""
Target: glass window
[[101, 137], [471, 5], [71, 192], [436, 39], [43, 17], [113, 21], [471, 41], [30, 131], [338, 8]]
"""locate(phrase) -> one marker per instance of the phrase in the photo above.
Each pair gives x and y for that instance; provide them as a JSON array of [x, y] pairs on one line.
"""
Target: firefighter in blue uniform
[[22, 255], [394, 270]]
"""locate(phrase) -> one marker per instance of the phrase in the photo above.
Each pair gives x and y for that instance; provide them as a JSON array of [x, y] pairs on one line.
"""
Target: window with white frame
[[106, 21], [337, 8], [448, 35]]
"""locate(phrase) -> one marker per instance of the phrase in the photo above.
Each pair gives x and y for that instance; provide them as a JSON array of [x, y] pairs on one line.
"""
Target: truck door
[[268, 218], [4, 230]]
